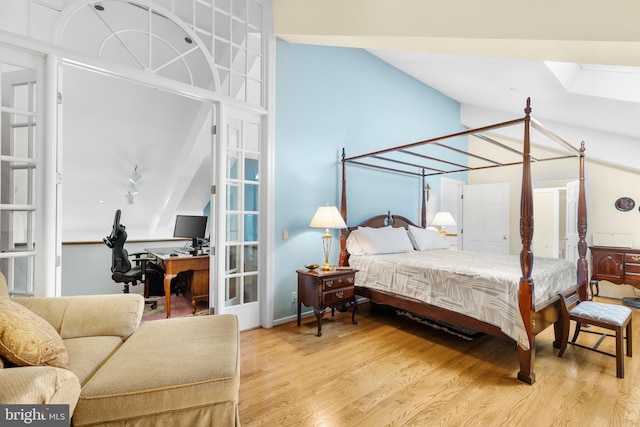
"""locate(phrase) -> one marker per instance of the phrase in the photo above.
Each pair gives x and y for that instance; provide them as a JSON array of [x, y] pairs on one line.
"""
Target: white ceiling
[[576, 60], [589, 99]]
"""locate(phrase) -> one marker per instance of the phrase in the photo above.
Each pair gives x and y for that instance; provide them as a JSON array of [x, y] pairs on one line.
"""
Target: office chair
[[142, 270]]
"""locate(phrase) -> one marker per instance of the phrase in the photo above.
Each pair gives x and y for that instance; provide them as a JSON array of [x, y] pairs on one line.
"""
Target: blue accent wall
[[331, 98]]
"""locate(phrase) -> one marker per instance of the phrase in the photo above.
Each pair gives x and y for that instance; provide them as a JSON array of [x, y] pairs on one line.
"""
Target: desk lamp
[[443, 219], [327, 217]]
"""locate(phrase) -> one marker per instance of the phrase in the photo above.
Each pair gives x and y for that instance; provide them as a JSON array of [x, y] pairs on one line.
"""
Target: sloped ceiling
[[577, 60], [110, 126]]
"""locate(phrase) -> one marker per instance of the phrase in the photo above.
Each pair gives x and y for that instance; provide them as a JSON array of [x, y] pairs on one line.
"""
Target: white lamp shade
[[327, 217], [443, 219]]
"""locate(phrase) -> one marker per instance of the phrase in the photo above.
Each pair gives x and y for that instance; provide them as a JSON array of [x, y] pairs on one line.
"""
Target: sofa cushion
[[182, 371], [28, 340], [50, 309], [98, 315], [88, 354]]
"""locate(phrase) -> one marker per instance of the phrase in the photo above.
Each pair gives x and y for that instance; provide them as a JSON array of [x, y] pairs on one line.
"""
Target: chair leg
[[629, 339], [577, 331], [564, 335], [619, 352]]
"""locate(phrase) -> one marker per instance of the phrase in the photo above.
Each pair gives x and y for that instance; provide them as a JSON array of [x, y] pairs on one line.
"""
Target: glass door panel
[[18, 117]]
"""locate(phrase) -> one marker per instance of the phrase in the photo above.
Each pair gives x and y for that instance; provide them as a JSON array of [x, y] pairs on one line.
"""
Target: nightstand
[[321, 289]]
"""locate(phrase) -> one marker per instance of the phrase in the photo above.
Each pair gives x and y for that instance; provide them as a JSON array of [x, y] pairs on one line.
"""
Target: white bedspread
[[480, 285]]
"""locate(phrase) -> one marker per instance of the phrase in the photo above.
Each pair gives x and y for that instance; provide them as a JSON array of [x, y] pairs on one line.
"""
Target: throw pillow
[[26, 339]]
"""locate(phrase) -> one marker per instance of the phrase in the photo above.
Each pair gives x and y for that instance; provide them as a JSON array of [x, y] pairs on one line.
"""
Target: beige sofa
[[182, 371]]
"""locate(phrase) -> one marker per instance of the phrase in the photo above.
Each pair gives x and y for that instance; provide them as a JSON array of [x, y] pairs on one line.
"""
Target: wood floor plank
[[391, 371]]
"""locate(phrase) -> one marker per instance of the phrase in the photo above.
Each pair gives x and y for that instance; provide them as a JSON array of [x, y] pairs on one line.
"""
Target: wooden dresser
[[616, 265]]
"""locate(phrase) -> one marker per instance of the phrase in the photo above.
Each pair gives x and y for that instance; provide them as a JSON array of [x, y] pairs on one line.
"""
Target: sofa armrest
[[39, 385], [89, 315]]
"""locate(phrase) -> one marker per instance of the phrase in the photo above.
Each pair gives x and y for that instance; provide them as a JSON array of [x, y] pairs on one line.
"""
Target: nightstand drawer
[[632, 259], [337, 282], [338, 295]]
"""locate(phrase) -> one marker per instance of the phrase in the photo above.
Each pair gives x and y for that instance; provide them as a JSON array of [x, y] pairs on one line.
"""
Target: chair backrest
[[570, 298], [119, 257]]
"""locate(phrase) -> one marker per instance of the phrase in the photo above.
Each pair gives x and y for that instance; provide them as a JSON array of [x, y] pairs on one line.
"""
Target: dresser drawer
[[631, 268], [632, 259], [338, 295], [337, 282], [632, 278]]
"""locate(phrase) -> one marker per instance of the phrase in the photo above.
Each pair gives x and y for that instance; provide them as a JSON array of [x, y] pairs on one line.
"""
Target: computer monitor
[[192, 227]]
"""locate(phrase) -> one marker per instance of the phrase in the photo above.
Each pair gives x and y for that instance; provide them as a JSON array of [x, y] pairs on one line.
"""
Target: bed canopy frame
[[407, 159]]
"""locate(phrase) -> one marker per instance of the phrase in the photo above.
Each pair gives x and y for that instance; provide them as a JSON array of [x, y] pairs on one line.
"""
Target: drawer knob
[[339, 294], [329, 283], [350, 279], [635, 258]]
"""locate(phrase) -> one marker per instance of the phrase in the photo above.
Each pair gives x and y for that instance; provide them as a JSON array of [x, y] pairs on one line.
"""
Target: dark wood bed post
[[343, 211], [423, 212], [583, 268], [525, 298]]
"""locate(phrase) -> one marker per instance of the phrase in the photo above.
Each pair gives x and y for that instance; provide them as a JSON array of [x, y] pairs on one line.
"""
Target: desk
[[173, 265]]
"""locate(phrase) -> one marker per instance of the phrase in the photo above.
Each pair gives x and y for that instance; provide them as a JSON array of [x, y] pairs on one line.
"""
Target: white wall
[[86, 267], [604, 185]]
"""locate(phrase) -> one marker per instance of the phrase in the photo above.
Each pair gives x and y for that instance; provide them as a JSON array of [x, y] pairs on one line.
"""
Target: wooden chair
[[616, 318]]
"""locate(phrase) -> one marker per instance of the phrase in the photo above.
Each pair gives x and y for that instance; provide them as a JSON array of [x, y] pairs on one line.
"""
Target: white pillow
[[353, 245], [385, 240], [424, 239]]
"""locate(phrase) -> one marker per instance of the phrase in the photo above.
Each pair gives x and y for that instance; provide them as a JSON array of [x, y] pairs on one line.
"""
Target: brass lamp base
[[443, 232], [326, 244]]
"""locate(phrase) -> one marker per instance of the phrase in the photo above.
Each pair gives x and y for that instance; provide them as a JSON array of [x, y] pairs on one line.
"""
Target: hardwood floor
[[391, 371]]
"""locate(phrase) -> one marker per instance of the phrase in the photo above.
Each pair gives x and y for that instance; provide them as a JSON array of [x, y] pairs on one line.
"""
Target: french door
[[21, 166], [239, 216]]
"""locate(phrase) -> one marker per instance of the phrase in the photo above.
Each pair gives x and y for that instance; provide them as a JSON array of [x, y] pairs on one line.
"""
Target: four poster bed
[[495, 295]]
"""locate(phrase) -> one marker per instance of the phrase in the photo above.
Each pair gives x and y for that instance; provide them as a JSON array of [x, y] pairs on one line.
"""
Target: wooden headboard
[[379, 221]]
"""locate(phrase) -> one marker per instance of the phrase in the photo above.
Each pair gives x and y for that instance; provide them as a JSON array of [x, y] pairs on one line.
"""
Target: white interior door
[[546, 219], [573, 188], [486, 218]]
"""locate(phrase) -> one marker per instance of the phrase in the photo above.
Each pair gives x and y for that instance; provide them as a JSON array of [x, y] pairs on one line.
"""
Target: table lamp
[[327, 217], [442, 219]]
